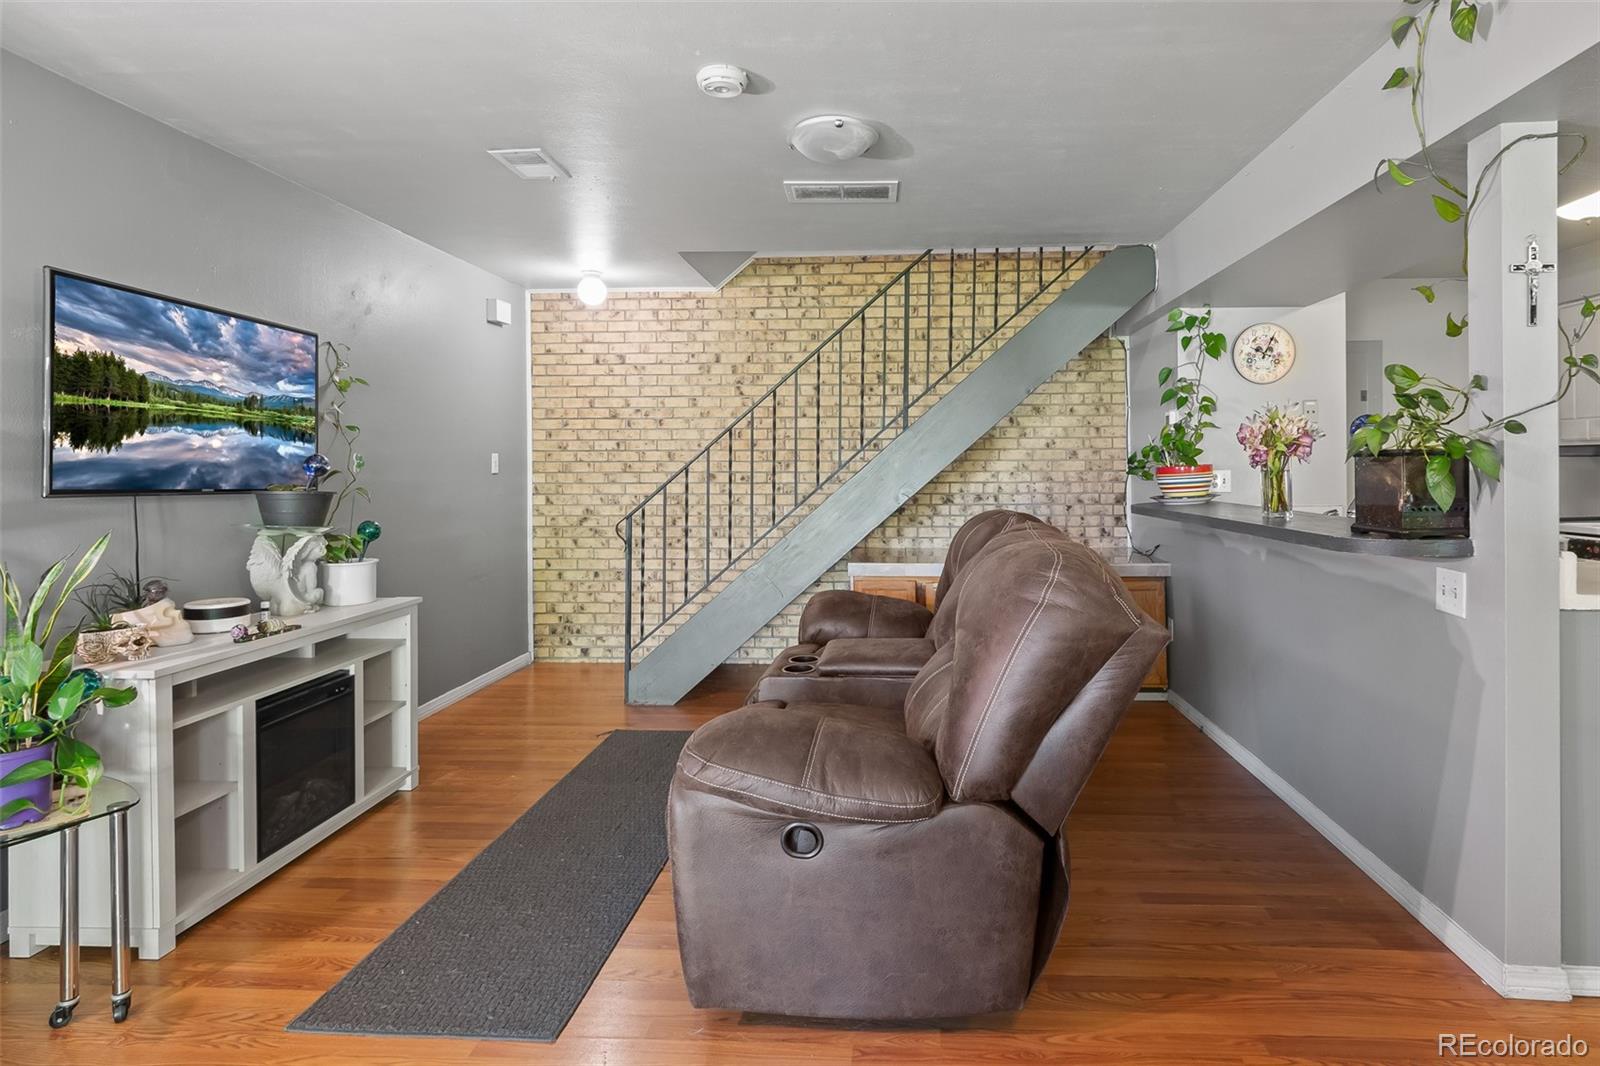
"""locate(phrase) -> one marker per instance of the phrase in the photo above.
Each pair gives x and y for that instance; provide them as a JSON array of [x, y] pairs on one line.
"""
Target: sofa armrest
[[835, 762], [837, 613]]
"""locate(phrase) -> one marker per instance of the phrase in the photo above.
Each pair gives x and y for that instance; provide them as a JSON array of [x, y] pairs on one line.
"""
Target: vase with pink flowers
[[1271, 437]]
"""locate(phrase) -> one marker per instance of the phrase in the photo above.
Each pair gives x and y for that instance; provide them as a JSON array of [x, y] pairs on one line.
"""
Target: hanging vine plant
[[1434, 420]]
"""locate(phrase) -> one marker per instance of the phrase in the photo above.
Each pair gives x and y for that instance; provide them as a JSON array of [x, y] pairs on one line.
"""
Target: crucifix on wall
[[1532, 268]]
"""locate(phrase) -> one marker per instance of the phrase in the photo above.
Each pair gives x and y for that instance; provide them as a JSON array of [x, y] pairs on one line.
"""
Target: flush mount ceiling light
[[530, 164], [832, 138], [1584, 207], [591, 290], [723, 81]]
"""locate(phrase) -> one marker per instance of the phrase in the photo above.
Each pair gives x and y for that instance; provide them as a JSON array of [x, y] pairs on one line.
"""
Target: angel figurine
[[287, 580]]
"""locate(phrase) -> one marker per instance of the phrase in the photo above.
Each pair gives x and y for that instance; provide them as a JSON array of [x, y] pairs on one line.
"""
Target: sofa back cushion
[[1038, 617], [977, 537]]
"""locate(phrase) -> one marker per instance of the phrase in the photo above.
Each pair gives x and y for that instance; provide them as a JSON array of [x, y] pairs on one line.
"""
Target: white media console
[[188, 745]]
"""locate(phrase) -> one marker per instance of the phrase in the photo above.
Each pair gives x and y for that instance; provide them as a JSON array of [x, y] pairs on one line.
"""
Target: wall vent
[[530, 164], [842, 192]]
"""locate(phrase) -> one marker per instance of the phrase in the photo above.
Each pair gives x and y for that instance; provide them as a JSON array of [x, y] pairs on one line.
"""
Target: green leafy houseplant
[[117, 593], [1179, 442], [1432, 417], [40, 694], [345, 546]]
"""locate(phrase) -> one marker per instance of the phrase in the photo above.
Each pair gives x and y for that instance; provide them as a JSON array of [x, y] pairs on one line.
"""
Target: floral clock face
[[1263, 353]]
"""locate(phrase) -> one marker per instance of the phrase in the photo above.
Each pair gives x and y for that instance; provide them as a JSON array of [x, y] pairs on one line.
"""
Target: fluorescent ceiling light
[[1581, 208], [591, 290]]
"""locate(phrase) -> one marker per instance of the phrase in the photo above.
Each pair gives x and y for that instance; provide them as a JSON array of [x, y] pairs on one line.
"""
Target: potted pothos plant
[[1172, 457], [42, 697], [349, 577], [1411, 464]]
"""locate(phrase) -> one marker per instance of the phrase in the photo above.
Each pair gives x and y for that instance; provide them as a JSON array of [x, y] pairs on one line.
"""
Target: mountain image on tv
[[150, 394]]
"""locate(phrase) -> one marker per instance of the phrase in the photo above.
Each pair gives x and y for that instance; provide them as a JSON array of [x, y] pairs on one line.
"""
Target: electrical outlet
[[1450, 591], [494, 462], [1224, 481], [1311, 408]]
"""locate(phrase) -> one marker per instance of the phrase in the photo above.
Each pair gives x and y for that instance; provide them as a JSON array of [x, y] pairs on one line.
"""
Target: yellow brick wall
[[624, 394]]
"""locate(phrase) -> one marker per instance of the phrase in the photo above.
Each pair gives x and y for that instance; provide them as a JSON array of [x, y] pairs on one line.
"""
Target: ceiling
[[1004, 122]]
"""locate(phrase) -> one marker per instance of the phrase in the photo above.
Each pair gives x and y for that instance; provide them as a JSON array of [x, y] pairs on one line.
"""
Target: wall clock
[[1263, 353]]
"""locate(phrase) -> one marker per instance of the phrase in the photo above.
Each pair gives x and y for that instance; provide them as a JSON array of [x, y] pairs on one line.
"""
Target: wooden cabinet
[[897, 588], [1150, 593]]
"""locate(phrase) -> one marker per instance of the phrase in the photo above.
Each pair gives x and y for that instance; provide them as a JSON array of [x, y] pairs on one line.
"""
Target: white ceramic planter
[[350, 584]]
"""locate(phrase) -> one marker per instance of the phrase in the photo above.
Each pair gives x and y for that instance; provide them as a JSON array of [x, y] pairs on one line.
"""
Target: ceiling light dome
[[832, 138], [591, 290]]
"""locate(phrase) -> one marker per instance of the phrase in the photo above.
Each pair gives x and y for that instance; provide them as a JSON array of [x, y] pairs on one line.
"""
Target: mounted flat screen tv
[[150, 394]]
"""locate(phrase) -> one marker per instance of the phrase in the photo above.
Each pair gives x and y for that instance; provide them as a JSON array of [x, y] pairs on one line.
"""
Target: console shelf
[[188, 745]]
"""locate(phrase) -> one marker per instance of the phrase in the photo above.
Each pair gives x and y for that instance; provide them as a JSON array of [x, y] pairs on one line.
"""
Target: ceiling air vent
[[842, 192], [530, 164]]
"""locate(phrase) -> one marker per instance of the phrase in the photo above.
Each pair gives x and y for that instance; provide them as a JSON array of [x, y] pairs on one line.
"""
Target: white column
[[1513, 599]]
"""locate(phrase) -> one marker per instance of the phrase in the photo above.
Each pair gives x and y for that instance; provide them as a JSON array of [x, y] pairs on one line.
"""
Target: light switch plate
[[494, 462], [1450, 591]]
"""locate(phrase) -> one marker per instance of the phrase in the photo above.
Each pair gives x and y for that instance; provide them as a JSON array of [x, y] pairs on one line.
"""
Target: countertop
[[1328, 532]]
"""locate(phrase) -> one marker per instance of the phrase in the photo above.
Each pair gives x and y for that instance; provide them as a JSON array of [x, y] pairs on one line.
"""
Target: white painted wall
[[1318, 374], [1410, 329]]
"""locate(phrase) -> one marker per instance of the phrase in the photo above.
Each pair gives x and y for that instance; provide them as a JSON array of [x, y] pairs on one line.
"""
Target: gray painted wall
[[1337, 672], [91, 186], [1580, 787]]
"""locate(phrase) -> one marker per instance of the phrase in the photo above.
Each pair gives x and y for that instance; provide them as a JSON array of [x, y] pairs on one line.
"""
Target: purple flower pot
[[38, 791]]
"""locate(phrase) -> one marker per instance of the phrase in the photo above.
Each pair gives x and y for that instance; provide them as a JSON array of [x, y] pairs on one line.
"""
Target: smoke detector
[[530, 164], [723, 81], [832, 138]]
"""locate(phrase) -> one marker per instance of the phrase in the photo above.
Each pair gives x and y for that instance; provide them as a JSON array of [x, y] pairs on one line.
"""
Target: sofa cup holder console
[[798, 668]]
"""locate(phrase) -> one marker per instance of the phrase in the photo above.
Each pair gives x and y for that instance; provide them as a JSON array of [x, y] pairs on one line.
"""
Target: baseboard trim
[[1513, 982], [467, 688], [1584, 980]]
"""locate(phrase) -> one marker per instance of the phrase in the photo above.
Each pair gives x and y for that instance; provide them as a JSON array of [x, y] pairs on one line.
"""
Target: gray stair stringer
[[722, 625]]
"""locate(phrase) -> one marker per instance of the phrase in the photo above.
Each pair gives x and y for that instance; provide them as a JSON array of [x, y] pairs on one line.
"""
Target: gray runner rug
[[507, 949]]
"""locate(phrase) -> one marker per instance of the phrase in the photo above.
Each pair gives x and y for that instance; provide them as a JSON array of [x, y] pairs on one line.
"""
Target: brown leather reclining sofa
[[905, 859], [855, 647]]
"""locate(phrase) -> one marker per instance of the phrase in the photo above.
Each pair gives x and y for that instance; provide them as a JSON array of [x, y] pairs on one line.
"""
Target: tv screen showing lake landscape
[[150, 394]]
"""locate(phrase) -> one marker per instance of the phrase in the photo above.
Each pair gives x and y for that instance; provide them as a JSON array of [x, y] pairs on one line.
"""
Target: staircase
[[927, 366]]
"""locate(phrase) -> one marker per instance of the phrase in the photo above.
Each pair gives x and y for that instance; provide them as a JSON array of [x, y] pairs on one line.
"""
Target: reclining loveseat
[[905, 859]]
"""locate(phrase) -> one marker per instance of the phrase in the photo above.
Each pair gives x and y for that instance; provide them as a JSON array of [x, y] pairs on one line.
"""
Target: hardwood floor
[[1208, 925]]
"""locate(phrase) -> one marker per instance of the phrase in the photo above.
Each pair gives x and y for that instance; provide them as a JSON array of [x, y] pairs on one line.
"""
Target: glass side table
[[110, 798]]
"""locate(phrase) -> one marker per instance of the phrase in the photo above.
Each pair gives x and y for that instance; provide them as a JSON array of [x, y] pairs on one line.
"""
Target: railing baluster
[[884, 364], [950, 324], [627, 598], [686, 486], [730, 496], [666, 544], [772, 480], [861, 392], [994, 304], [905, 354], [710, 474], [816, 438], [795, 442]]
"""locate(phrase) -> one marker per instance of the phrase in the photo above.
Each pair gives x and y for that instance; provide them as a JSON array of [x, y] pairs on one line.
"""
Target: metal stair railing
[[855, 389]]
